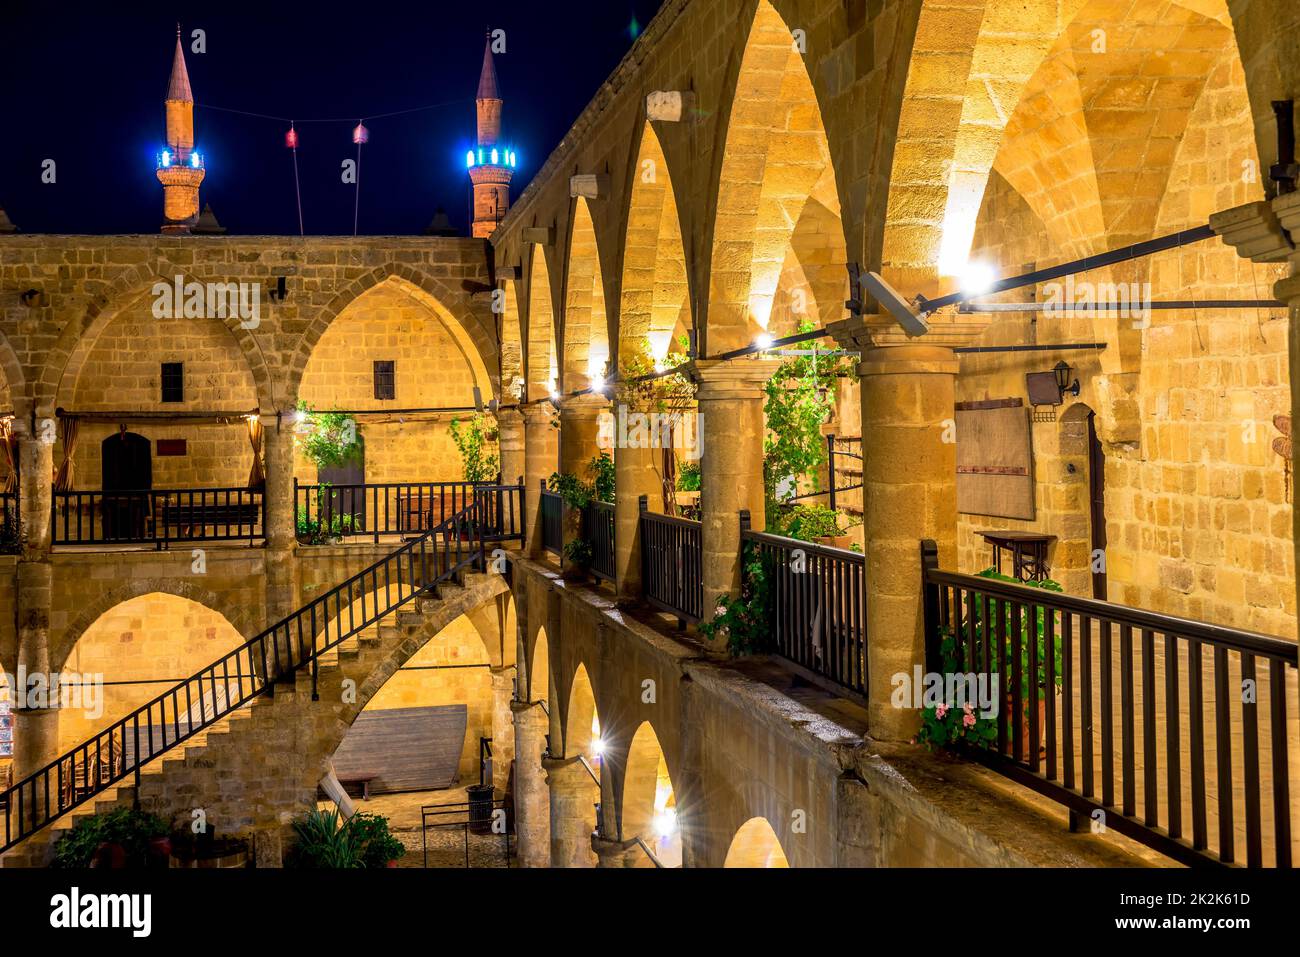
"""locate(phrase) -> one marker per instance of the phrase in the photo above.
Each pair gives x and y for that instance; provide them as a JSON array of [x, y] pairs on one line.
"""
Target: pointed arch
[[775, 155], [581, 718], [584, 325], [648, 805], [542, 360], [68, 355], [510, 334], [655, 298], [475, 332], [756, 845]]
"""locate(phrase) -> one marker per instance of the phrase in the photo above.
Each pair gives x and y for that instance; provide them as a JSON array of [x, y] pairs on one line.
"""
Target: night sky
[[84, 86]]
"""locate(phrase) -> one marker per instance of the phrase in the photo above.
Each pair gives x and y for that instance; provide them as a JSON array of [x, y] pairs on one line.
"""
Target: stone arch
[[542, 368], [538, 670], [138, 648], [774, 154], [584, 324], [581, 719], [14, 397], [509, 332], [755, 844], [239, 616], [654, 292], [77, 338], [477, 334], [648, 802]]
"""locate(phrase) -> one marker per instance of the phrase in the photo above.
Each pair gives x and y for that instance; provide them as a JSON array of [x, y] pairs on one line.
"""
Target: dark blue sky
[[84, 86]]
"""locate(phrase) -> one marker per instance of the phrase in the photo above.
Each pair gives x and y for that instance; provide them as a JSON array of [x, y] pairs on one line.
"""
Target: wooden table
[[1028, 552]]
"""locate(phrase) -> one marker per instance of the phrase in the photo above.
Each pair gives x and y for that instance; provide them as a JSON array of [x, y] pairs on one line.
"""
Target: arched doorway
[[755, 845], [649, 805]]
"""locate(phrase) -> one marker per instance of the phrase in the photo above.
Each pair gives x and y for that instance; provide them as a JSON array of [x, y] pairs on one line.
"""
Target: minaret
[[491, 165], [180, 167]]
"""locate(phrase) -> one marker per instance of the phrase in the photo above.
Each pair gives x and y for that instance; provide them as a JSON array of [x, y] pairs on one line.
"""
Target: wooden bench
[[186, 517], [361, 780]]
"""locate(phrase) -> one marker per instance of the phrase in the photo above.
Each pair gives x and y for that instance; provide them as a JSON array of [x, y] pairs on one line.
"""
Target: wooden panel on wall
[[404, 749], [995, 473]]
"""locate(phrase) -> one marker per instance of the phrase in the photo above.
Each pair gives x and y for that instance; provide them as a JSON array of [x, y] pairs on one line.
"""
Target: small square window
[[173, 382], [385, 379]]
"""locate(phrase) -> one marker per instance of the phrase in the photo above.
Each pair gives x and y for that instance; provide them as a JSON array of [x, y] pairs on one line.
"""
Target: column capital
[[511, 414], [538, 413], [611, 853], [948, 329], [730, 379], [567, 775], [1257, 231], [912, 359], [523, 707], [587, 405]]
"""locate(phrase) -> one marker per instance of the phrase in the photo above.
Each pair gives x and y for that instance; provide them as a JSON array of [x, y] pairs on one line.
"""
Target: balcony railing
[[816, 607], [671, 564], [1138, 761], [326, 512], [598, 527], [552, 508], [157, 516]]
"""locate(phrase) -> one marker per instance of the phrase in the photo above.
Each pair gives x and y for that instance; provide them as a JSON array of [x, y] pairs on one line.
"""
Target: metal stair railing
[[250, 670]]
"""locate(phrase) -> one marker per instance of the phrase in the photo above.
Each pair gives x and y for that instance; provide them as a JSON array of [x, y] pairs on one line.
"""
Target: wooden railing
[[158, 516], [815, 607], [552, 508], [1135, 761], [671, 564], [598, 527], [289, 645], [325, 512]]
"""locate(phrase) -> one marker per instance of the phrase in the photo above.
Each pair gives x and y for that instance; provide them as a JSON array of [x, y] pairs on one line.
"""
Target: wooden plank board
[[404, 749]]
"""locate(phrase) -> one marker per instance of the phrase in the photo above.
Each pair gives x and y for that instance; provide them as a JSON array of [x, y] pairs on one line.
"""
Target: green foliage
[[663, 394], [318, 531], [578, 551], [688, 477], [745, 621], [579, 493], [329, 439], [808, 522], [378, 846], [125, 826], [947, 724], [362, 841], [474, 440], [799, 398]]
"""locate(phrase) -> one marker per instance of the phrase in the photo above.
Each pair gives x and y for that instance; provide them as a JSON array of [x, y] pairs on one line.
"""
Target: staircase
[[251, 769]]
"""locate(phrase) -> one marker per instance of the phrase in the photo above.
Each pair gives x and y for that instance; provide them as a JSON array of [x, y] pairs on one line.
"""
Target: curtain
[[9, 439], [256, 475], [63, 477]]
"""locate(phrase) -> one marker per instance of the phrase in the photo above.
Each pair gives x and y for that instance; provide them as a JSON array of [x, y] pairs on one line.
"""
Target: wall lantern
[[1062, 372]]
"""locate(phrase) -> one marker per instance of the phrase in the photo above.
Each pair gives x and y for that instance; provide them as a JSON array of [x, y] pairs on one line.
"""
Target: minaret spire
[[180, 167], [490, 166]]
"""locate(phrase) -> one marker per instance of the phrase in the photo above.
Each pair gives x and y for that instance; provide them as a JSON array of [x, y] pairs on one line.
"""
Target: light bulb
[[763, 340], [977, 278]]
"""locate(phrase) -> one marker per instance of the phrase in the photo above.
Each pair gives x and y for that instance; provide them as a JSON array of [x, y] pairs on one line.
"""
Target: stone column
[[909, 475], [36, 729], [732, 425], [280, 520], [634, 475], [618, 853], [540, 460], [573, 798], [579, 429], [503, 739], [510, 440], [531, 799], [1268, 231]]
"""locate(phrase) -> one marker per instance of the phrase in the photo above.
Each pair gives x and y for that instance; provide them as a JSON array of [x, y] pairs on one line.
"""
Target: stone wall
[[139, 649]]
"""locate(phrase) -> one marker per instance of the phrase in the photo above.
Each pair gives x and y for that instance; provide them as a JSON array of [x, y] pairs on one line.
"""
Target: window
[[385, 379], [173, 382]]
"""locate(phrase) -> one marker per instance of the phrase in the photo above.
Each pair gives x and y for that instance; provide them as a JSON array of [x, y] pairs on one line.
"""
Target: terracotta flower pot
[[160, 851], [391, 864], [109, 856]]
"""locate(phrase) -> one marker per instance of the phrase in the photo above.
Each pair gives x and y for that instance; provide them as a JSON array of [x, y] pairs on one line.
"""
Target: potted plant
[[946, 723], [475, 441], [363, 840], [120, 838], [577, 494]]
